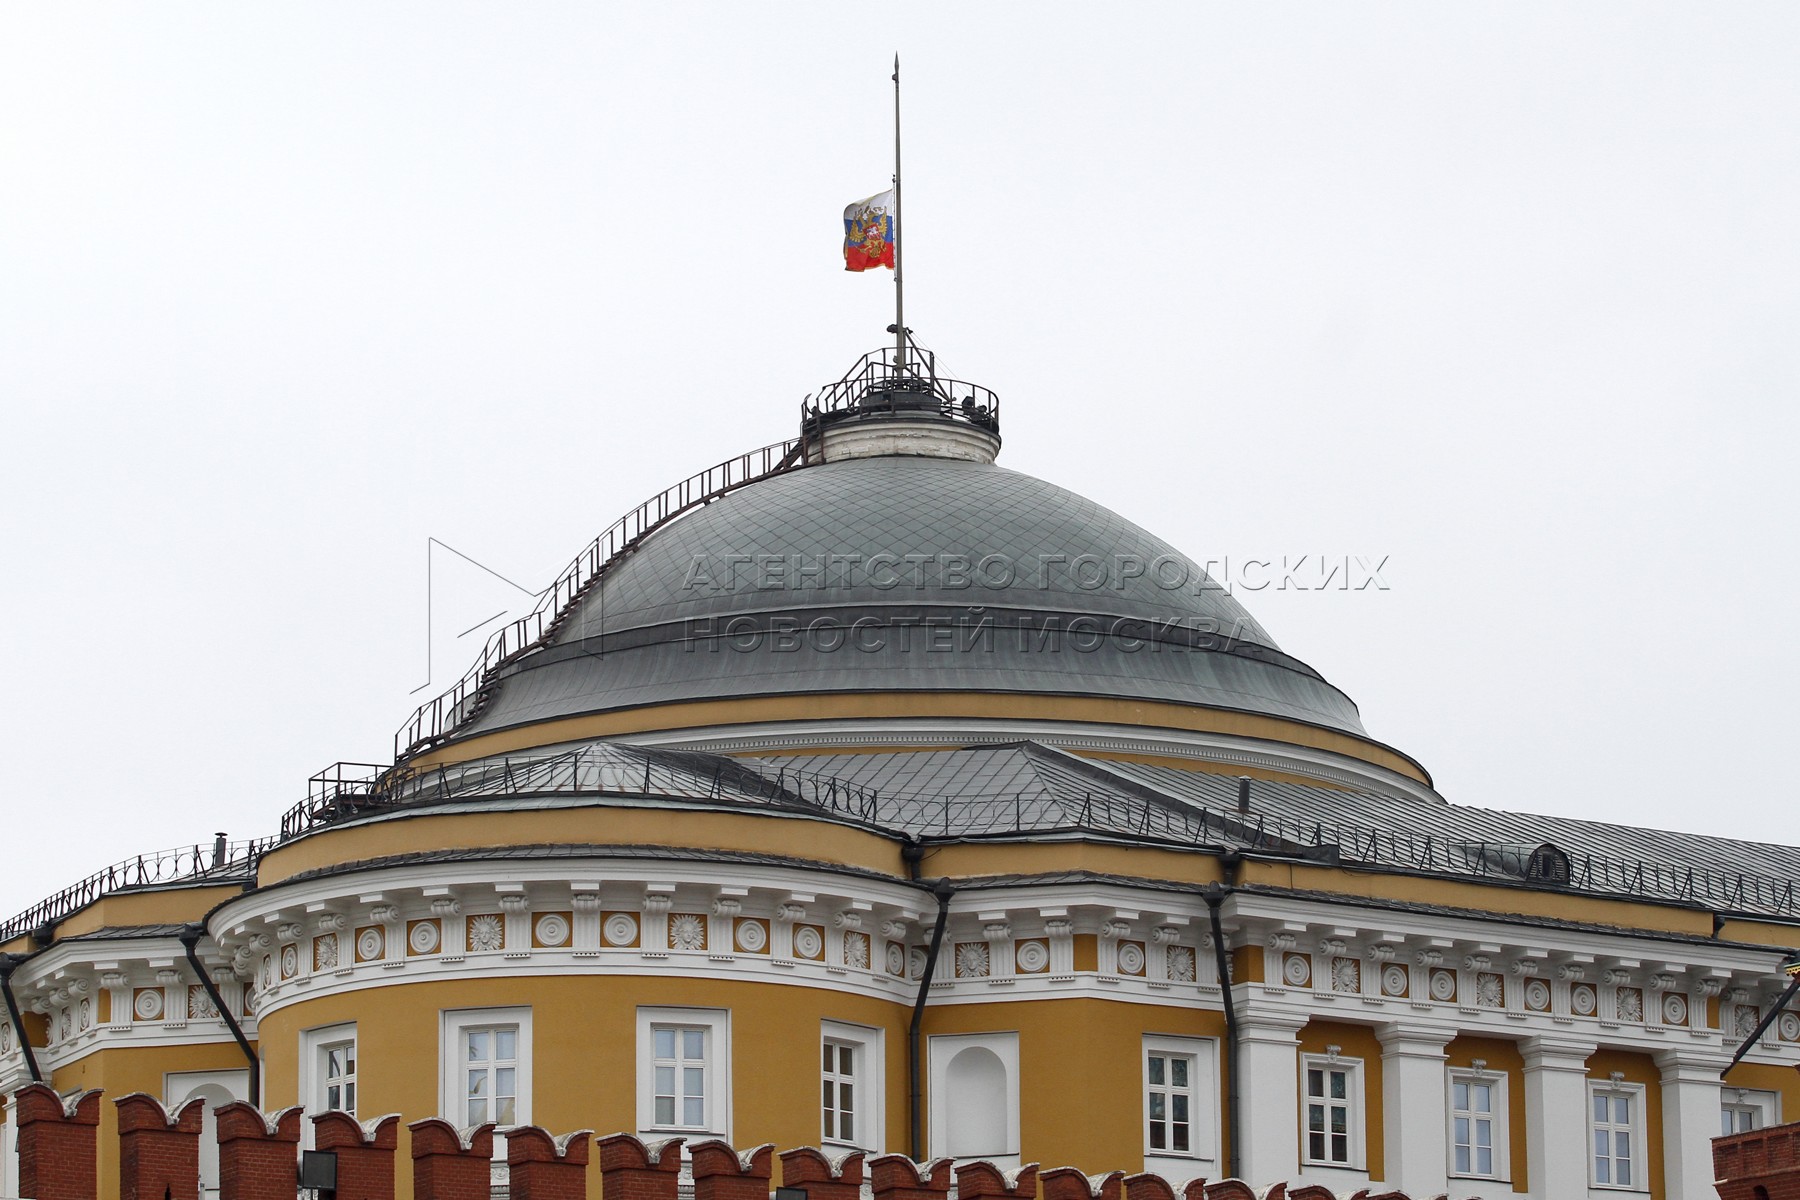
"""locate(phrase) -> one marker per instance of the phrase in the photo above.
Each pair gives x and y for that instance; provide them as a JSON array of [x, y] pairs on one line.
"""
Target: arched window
[[1548, 864]]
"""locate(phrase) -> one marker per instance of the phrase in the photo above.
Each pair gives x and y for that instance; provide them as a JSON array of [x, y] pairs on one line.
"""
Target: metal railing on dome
[[355, 789], [219, 861], [881, 383], [442, 715]]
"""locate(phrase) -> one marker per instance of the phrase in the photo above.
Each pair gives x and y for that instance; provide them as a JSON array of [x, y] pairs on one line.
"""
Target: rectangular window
[[328, 1072], [485, 1068], [1328, 1110], [840, 1094], [681, 1067], [1180, 1102], [337, 1076], [1613, 1116], [850, 1112], [1476, 1116], [1169, 1102], [1472, 1116], [684, 1071], [490, 1065], [1744, 1109]]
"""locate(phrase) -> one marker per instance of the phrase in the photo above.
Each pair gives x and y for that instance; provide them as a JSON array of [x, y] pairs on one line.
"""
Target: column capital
[[1277, 1028], [1400, 1039], [1690, 1064], [1548, 1053]]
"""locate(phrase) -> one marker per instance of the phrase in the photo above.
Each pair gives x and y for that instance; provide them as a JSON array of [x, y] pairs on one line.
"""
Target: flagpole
[[899, 281]]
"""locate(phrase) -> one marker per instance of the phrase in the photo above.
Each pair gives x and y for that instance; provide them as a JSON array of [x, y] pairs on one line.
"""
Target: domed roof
[[904, 573], [903, 530]]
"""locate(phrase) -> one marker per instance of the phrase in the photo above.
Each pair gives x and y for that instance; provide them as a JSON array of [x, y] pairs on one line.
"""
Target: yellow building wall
[[584, 1049], [1638, 1068], [175, 905], [1501, 1057], [1103, 710], [596, 824], [1081, 1073], [1783, 1080], [1352, 1041]]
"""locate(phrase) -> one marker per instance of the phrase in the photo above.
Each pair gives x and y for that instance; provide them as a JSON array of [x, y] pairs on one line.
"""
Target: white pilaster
[[1690, 1119], [1269, 1096], [1413, 1095], [1556, 1139]]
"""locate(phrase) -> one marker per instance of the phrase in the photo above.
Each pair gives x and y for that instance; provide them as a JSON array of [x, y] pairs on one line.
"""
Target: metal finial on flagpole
[[899, 280]]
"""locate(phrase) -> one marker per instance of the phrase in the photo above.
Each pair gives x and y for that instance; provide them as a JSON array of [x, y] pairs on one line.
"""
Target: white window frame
[[871, 1084], [312, 1065], [941, 1049], [1497, 1082], [717, 1024], [312, 1086], [1636, 1093], [453, 1023], [1354, 1104], [1203, 1114], [1764, 1106]]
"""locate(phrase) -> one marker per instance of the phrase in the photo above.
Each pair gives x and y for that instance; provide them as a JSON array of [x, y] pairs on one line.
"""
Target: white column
[[1556, 1117], [1413, 1096], [1690, 1119], [1269, 1097]]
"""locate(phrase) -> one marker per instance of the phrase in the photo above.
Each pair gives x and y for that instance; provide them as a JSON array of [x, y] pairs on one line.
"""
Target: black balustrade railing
[[881, 383], [442, 715], [349, 790], [226, 861]]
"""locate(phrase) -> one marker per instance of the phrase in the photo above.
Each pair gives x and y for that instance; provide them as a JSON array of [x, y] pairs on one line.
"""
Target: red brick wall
[[538, 1168], [444, 1167], [159, 1151], [897, 1177], [365, 1159], [257, 1154], [820, 1176], [1763, 1162], [632, 1170], [57, 1144], [721, 1173]]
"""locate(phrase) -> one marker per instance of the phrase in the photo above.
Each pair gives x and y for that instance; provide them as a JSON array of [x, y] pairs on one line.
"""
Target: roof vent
[[1548, 864]]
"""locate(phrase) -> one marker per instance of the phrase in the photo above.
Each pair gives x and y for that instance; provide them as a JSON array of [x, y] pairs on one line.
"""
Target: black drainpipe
[[1214, 894], [8, 964], [913, 853], [190, 936]]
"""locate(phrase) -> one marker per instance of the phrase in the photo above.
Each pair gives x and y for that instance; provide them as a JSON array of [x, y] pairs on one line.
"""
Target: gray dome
[[909, 574]]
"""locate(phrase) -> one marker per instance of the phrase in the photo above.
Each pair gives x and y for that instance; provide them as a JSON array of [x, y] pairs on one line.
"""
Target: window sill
[[660, 1132]]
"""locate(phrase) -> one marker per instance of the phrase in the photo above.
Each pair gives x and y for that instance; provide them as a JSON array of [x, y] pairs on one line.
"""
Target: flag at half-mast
[[869, 233]]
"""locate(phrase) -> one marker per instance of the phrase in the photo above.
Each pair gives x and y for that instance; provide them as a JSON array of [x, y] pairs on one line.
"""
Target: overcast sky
[[1502, 294]]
